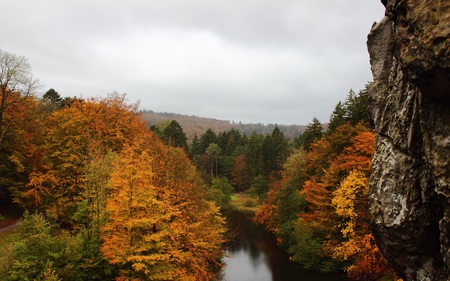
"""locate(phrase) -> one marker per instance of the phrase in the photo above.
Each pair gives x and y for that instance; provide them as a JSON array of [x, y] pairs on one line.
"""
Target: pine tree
[[313, 132], [275, 151], [337, 118], [356, 107], [174, 135], [254, 152]]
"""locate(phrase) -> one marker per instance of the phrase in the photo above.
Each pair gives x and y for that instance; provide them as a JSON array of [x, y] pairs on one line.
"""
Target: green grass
[[244, 203]]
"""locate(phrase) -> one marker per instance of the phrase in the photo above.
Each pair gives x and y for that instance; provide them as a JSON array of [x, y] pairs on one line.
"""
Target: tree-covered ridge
[[194, 125]]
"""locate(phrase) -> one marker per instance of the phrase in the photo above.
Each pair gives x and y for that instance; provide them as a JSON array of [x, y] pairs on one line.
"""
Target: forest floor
[[243, 202]]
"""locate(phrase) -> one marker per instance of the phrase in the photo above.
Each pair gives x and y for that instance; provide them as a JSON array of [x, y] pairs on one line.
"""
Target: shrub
[[250, 203]]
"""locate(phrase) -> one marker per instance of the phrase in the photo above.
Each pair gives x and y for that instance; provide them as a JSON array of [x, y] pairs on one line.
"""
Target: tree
[[194, 150], [352, 110], [259, 187], [91, 211], [275, 152], [53, 100], [198, 229], [206, 139], [254, 152], [337, 118], [284, 201], [230, 140], [19, 152], [220, 192], [240, 173], [308, 247], [358, 246], [173, 135], [161, 226], [348, 198], [313, 132], [16, 84], [52, 96], [356, 107], [337, 203], [288, 201], [214, 151], [38, 252], [135, 216]]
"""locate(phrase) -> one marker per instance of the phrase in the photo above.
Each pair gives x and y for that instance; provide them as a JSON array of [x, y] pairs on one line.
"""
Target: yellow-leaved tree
[[160, 225], [135, 237], [350, 202]]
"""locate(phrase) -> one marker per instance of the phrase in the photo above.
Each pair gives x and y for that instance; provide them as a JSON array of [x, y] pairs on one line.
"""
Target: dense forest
[[313, 189], [107, 197]]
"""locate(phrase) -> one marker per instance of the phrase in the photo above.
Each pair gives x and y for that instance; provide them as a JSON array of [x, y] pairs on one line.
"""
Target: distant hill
[[198, 125]]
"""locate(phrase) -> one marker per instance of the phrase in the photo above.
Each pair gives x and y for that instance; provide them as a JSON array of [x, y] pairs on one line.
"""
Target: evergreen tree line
[[231, 159], [248, 163]]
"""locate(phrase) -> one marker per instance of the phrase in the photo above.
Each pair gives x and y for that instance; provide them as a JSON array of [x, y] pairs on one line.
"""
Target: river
[[253, 255]]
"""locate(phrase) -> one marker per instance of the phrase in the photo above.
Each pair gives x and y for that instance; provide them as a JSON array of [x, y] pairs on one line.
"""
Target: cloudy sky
[[269, 61]]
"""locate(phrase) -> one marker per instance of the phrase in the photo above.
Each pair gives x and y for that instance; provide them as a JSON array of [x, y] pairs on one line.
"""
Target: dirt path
[[7, 228], [8, 225]]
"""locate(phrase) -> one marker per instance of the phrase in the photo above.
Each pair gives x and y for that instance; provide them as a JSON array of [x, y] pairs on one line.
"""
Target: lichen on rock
[[410, 108]]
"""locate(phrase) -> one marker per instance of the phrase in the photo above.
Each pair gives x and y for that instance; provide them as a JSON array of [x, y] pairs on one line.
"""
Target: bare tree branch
[[16, 83]]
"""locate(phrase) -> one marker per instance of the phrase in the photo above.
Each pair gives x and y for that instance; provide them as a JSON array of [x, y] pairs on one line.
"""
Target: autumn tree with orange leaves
[[136, 234], [103, 174], [160, 225], [326, 227], [319, 210], [73, 137]]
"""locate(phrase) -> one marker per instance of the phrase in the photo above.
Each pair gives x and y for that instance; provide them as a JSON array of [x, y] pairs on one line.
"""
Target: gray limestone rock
[[410, 107]]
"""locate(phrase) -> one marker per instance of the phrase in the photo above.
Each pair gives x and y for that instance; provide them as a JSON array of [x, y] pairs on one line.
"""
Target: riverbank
[[243, 202]]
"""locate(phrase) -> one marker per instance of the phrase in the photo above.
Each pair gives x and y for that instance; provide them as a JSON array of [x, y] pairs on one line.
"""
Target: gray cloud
[[266, 61]]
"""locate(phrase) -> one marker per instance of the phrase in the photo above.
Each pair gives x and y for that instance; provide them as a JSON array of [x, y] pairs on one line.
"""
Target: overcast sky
[[268, 61]]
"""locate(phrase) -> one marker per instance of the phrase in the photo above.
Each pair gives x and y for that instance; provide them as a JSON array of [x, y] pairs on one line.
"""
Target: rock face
[[410, 107]]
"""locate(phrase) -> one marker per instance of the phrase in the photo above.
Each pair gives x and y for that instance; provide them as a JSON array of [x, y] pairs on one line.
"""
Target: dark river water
[[253, 255]]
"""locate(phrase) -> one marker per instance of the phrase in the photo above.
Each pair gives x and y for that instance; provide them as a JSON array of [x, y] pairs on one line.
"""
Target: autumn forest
[[102, 195]]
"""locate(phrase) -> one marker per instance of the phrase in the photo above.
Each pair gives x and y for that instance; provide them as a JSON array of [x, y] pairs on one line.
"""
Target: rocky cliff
[[410, 107]]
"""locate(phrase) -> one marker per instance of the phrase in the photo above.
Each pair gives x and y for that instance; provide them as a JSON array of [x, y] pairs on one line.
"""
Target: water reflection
[[253, 255]]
